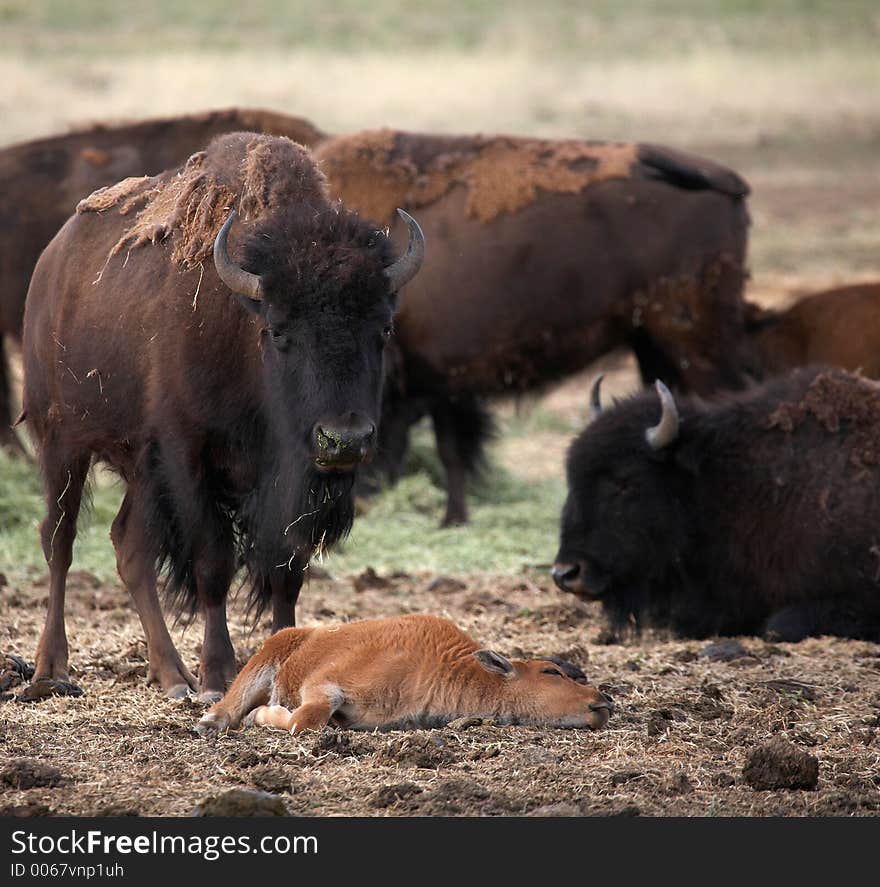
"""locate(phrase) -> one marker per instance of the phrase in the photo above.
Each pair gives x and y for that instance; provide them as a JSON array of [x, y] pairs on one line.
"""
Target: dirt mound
[[780, 765], [241, 802], [25, 773]]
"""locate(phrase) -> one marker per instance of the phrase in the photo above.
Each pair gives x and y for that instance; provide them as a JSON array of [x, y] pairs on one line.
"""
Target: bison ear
[[492, 661]]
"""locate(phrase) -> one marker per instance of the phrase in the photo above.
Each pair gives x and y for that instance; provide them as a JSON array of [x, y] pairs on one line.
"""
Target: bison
[[837, 327], [758, 514], [544, 256], [41, 182], [235, 398], [398, 673]]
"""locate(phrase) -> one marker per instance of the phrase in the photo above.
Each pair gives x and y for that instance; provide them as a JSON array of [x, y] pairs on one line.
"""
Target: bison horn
[[235, 277], [666, 430], [407, 266], [595, 402]]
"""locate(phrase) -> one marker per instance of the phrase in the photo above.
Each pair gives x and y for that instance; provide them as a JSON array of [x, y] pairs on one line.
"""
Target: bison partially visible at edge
[[837, 327], [236, 398], [759, 514]]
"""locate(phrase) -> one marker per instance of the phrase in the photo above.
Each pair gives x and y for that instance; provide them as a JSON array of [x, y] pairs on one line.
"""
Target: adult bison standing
[[756, 514], [235, 398], [546, 254]]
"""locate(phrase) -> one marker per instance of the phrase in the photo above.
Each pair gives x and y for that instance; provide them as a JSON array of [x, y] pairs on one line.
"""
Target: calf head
[[539, 691]]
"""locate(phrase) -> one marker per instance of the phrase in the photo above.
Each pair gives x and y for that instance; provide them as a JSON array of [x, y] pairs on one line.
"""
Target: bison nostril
[[606, 704], [608, 698], [563, 574]]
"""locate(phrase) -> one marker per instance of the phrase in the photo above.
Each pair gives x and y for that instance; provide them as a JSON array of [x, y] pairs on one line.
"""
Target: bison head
[[323, 284], [623, 524]]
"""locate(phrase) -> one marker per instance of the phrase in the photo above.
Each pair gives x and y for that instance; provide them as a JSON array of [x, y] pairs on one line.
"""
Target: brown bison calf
[[404, 672], [837, 327]]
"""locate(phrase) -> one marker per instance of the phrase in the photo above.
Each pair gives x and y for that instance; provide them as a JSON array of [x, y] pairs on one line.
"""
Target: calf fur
[[405, 672]]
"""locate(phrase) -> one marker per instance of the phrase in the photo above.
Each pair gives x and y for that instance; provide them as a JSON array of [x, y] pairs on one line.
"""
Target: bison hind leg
[[65, 476]]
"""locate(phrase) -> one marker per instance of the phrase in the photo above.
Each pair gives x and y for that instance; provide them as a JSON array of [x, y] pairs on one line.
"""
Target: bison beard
[[290, 515]]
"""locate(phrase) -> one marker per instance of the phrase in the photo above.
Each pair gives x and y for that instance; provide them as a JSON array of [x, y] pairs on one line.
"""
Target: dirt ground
[[676, 745]]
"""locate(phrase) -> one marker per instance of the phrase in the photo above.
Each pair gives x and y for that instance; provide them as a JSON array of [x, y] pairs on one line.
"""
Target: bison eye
[[387, 331], [552, 671], [280, 338]]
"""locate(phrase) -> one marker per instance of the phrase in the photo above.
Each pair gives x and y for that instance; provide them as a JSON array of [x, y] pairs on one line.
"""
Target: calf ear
[[492, 661]]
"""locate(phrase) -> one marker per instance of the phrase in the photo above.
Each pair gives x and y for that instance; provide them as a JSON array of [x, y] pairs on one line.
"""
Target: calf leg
[[138, 573], [65, 478], [252, 688], [313, 715]]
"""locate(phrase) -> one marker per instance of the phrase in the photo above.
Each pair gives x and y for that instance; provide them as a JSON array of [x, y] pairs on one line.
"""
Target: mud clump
[[780, 765], [241, 802], [424, 752], [26, 773], [727, 650], [393, 794]]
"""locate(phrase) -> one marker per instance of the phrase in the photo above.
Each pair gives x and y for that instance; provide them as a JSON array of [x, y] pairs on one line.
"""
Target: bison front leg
[[217, 669], [138, 573], [285, 584]]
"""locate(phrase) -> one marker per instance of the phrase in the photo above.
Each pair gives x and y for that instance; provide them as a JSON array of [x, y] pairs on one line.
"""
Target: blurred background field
[[786, 92]]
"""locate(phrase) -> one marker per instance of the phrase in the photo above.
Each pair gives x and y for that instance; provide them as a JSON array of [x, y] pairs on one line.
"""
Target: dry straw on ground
[[677, 743]]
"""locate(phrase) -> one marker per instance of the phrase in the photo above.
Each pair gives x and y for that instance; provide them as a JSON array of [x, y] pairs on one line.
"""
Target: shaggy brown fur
[[837, 327], [195, 202], [501, 173], [836, 400]]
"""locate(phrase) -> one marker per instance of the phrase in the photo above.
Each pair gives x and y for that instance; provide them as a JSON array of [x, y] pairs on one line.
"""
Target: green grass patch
[[513, 523], [22, 509]]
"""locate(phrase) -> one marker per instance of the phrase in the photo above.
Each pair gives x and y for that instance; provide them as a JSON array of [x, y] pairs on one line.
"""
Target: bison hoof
[[179, 691], [45, 687], [453, 520], [210, 696]]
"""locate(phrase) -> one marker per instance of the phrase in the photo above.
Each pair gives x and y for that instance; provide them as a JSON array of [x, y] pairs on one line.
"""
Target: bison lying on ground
[[758, 514], [235, 398], [544, 256], [837, 327], [41, 182], [405, 672]]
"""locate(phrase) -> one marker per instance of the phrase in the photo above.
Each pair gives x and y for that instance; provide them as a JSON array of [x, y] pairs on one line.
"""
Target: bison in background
[[545, 255], [837, 327], [758, 514], [236, 398], [42, 181]]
